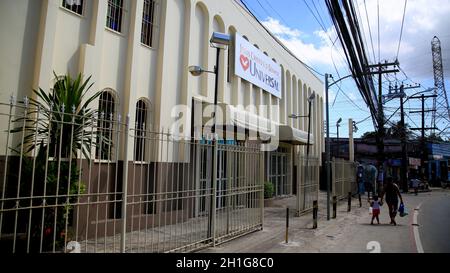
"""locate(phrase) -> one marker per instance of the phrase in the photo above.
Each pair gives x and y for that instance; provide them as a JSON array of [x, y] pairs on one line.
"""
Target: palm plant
[[62, 125], [64, 119]]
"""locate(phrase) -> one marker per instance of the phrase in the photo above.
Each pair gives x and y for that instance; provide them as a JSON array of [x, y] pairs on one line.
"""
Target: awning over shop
[[254, 123], [294, 136], [233, 122]]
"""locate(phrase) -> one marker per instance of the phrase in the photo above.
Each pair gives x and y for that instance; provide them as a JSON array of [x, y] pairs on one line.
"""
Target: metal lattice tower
[[440, 103]]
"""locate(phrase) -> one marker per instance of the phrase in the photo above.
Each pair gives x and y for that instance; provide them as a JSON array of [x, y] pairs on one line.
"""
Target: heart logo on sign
[[245, 63]]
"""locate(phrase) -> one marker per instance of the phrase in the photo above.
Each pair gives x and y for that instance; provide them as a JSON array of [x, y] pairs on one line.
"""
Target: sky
[[305, 27]]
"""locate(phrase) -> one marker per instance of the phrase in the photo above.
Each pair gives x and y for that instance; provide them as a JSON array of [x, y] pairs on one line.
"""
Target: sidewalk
[[302, 238]]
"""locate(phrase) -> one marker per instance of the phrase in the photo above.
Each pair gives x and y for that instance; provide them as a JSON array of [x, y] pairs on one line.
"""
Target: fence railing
[[308, 190], [343, 178], [96, 184]]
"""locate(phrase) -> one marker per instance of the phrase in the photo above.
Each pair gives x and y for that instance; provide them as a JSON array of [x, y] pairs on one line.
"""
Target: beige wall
[[43, 37]]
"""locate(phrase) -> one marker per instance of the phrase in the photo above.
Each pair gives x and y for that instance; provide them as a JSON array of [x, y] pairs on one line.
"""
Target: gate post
[[262, 179], [125, 185], [212, 231]]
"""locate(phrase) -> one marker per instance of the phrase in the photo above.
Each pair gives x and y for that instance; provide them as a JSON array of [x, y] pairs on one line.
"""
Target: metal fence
[[343, 178], [96, 184], [308, 170]]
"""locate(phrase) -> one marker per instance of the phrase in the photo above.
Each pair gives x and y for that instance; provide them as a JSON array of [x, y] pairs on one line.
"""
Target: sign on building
[[254, 66]]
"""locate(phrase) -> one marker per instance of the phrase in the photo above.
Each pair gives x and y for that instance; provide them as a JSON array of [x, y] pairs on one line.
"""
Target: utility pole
[[381, 68], [424, 154], [393, 94], [404, 168]]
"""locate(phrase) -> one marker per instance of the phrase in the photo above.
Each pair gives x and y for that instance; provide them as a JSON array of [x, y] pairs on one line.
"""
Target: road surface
[[425, 229]]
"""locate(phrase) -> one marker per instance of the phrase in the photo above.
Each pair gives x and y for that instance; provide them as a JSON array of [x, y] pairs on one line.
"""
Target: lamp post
[[294, 116], [219, 41], [327, 86], [337, 129]]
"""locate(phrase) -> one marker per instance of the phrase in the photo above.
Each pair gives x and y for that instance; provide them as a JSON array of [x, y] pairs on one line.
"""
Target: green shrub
[[268, 189]]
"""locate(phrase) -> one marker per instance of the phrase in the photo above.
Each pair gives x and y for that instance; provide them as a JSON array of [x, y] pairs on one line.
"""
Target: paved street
[[351, 231]]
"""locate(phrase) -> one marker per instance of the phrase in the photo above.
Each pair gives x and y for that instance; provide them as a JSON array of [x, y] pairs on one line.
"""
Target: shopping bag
[[402, 210], [370, 210]]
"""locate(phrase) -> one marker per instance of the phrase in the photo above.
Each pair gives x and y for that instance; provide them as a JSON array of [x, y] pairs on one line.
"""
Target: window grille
[[106, 110], [148, 19], [74, 6], [140, 133], [114, 15]]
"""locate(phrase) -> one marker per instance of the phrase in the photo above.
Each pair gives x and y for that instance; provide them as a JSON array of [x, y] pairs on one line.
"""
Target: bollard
[[334, 207], [287, 225], [359, 198], [349, 204], [315, 212]]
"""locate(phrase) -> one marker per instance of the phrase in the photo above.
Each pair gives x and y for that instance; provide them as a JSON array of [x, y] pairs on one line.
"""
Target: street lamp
[[294, 116], [337, 129], [328, 146], [219, 41]]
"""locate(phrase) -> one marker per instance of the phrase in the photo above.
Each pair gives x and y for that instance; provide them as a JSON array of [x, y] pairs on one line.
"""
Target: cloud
[[320, 54], [423, 20]]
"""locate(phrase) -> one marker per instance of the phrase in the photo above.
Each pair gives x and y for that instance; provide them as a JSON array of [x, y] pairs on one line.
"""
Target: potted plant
[[268, 193]]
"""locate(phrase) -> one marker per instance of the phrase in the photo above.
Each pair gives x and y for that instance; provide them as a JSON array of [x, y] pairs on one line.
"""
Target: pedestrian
[[392, 194], [415, 185], [380, 179], [360, 179], [370, 179], [375, 204]]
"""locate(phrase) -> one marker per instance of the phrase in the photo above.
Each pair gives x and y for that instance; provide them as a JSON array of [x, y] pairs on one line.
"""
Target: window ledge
[[115, 32], [73, 12], [147, 46]]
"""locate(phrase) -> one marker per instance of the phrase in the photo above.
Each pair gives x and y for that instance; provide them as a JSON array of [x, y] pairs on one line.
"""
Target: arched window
[[140, 130], [106, 108]]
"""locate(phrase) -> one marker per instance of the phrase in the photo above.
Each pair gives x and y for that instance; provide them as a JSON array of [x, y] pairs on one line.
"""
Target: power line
[[378, 16], [271, 35], [370, 31], [401, 30], [281, 17]]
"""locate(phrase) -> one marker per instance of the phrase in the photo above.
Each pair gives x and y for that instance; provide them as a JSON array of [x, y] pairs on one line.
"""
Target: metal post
[[287, 225], [212, 230], [307, 149], [328, 148], [337, 140], [334, 207], [125, 185], [315, 213], [349, 205]]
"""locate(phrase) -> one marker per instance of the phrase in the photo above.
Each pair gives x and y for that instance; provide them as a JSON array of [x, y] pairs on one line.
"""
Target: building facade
[[138, 52]]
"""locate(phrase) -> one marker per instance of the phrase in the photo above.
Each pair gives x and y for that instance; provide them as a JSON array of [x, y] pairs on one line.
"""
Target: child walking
[[375, 204]]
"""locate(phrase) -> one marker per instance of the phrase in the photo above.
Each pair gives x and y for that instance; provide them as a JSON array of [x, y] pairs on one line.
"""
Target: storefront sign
[[414, 161], [254, 66]]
